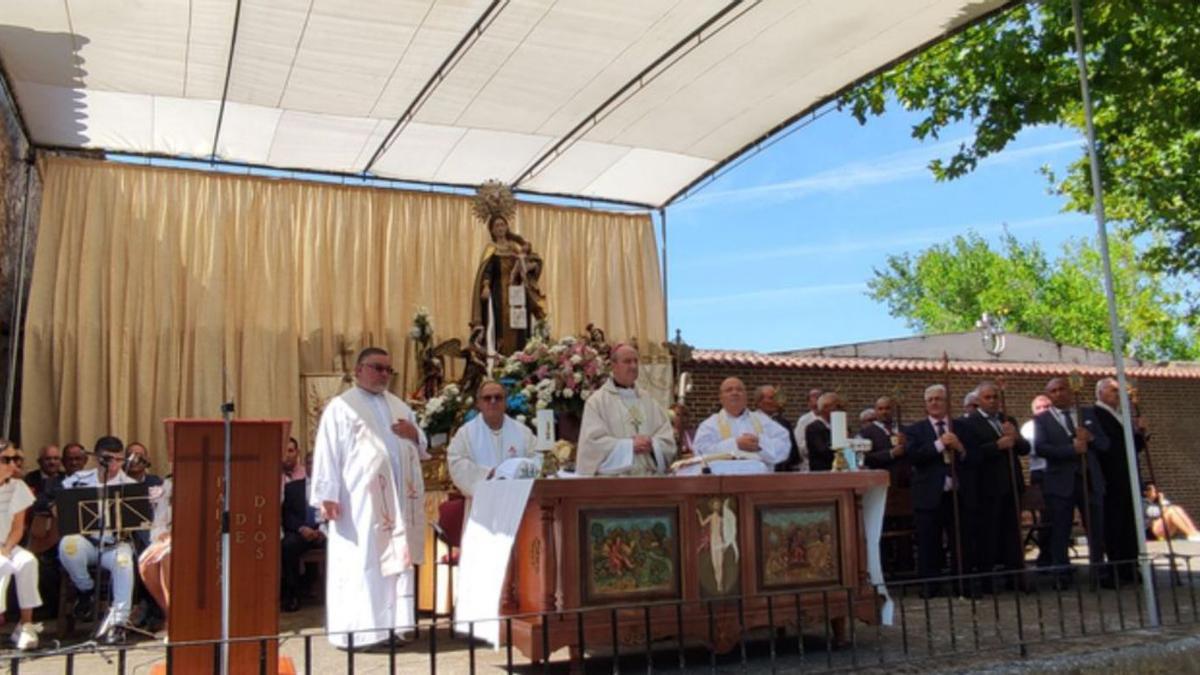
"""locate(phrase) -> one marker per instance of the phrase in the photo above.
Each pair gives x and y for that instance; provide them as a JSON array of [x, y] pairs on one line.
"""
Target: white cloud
[[894, 243], [854, 175]]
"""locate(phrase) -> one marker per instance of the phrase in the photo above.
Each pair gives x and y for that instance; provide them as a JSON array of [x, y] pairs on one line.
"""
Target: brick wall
[[1168, 404]]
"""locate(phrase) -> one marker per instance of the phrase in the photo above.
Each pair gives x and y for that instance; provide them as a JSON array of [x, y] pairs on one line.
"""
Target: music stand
[[100, 511], [129, 509]]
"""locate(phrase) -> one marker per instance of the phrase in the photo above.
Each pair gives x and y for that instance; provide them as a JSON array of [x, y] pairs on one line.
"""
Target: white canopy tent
[[628, 101]]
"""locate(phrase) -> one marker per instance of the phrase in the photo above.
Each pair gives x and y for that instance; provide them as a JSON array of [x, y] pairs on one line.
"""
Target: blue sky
[[776, 253]]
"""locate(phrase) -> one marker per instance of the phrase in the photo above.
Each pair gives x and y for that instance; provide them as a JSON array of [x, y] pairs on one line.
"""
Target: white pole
[[662, 224], [1118, 338], [226, 544]]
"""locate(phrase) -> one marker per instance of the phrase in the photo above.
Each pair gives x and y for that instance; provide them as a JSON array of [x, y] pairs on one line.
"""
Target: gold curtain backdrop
[[154, 289]]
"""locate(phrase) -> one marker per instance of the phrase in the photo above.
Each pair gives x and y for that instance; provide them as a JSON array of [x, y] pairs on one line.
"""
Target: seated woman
[[154, 564], [15, 500], [1164, 519]]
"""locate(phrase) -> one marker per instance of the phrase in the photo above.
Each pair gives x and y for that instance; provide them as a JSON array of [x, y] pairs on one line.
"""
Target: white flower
[[576, 359], [541, 405], [568, 392], [415, 333], [558, 349], [451, 390], [521, 419]]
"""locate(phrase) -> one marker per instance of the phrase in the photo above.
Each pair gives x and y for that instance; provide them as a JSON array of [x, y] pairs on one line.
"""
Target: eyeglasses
[[492, 398], [12, 459], [380, 368]]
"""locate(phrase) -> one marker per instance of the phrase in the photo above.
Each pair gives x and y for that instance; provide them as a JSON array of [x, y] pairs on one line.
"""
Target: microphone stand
[[102, 627], [227, 417]]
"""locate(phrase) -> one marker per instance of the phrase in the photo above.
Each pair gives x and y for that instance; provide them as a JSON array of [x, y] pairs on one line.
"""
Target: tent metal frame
[[699, 182]]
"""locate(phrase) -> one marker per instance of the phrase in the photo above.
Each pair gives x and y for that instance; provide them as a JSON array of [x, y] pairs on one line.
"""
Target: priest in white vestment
[[747, 441], [492, 444], [624, 431], [367, 483]]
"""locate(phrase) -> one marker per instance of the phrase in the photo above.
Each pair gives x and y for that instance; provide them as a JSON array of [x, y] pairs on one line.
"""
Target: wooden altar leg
[[509, 603], [549, 569]]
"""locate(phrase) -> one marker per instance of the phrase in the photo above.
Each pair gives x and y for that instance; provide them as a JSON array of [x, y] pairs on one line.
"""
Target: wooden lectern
[[197, 450]]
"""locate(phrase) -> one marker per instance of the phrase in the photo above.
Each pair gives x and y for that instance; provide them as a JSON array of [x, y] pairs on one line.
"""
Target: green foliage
[[947, 287], [1018, 70]]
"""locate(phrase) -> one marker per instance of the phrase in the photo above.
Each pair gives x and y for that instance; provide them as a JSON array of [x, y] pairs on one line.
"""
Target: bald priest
[[624, 432], [736, 440]]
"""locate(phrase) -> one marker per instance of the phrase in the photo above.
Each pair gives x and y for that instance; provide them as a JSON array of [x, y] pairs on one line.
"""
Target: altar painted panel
[[799, 546], [718, 547], [629, 554]]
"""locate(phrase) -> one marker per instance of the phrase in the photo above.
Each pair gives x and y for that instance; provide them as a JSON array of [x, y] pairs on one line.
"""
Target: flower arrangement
[[558, 376], [422, 326], [442, 413], [545, 375]]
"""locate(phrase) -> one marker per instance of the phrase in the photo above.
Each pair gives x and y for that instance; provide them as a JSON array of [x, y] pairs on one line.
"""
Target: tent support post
[[1118, 338]]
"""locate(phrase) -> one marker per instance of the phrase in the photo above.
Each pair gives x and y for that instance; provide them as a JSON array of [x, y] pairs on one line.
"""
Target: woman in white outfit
[[15, 500]]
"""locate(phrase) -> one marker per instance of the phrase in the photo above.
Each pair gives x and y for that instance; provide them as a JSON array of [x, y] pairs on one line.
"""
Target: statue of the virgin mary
[[506, 300]]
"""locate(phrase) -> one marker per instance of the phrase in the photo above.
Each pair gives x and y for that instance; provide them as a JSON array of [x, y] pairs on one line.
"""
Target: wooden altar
[[704, 540]]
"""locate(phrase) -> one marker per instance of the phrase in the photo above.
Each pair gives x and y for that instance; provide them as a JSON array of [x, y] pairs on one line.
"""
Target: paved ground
[[947, 634]]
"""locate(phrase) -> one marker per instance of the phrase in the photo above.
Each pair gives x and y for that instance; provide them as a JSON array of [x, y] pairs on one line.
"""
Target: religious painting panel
[[718, 553], [798, 545], [629, 554]]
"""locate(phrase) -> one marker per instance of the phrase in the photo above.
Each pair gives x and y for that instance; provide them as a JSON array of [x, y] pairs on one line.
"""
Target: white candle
[[837, 424], [545, 429]]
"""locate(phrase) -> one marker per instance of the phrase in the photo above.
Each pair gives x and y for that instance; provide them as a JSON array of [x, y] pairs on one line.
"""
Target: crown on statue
[[493, 199]]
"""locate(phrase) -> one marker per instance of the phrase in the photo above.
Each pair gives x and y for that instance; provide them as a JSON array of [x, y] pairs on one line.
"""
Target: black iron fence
[[1001, 615]]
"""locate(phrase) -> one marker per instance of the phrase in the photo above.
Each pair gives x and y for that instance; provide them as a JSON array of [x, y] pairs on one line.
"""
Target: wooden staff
[[1076, 381], [958, 557], [1012, 476], [1162, 508]]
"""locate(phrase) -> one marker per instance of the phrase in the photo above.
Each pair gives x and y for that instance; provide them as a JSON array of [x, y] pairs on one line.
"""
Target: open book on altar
[[715, 457]]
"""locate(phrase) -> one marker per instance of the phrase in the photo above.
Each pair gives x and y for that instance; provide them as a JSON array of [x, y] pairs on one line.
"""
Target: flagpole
[[1114, 324]]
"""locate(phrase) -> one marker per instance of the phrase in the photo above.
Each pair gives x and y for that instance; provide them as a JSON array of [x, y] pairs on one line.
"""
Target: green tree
[[1018, 70], [947, 287]]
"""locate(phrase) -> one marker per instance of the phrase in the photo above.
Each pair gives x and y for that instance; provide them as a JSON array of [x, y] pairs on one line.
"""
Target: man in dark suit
[[1064, 435], [301, 533], [932, 444], [1120, 527], [766, 400], [887, 444], [818, 437], [992, 438]]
